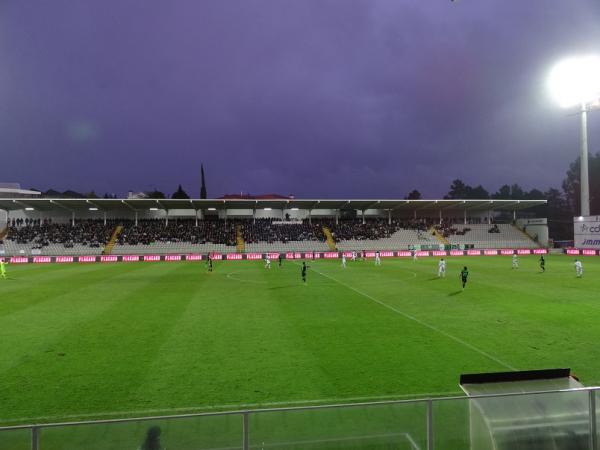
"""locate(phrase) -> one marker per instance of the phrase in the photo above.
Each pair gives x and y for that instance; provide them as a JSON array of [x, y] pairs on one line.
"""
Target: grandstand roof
[[111, 204]]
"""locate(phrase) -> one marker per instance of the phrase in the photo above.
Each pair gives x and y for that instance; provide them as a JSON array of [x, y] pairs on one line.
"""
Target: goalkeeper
[[3, 265]]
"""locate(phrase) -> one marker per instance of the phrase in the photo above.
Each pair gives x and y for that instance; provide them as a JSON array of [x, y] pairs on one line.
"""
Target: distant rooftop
[[242, 196], [13, 190], [10, 186]]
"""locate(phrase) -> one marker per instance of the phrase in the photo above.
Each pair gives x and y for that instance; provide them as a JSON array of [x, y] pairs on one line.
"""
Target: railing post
[[246, 440], [429, 424], [592, 402], [35, 438]]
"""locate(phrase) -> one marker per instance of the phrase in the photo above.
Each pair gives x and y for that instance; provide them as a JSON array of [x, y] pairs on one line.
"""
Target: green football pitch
[[132, 339]]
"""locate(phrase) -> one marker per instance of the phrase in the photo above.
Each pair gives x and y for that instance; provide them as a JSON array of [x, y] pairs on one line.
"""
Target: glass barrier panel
[[597, 399], [194, 433], [451, 424], [399, 426], [15, 439], [557, 420]]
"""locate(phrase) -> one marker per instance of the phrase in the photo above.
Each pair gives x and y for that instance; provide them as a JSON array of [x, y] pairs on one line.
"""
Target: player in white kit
[[414, 255], [267, 262], [515, 261], [578, 268], [377, 259], [353, 256], [344, 260], [441, 268]]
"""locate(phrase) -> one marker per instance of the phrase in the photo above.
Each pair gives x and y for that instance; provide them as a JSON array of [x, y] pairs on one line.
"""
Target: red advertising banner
[[288, 255], [588, 252], [64, 259], [41, 259], [572, 251], [19, 260]]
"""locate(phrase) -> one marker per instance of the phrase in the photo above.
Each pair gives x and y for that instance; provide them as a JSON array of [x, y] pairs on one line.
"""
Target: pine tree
[[203, 186]]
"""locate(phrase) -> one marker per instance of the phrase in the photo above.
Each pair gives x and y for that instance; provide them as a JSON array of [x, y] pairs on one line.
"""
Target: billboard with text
[[586, 231]]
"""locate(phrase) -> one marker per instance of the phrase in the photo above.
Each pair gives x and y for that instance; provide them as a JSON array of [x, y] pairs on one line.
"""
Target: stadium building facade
[[31, 227]]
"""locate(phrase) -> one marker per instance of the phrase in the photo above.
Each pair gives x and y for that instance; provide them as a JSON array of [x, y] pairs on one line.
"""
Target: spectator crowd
[[92, 233], [97, 233]]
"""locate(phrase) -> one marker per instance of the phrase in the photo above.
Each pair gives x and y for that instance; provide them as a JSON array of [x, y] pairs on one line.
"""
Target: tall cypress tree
[[203, 186]]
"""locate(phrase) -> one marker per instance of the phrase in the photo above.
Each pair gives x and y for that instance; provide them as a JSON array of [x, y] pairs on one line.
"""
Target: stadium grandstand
[[55, 227]]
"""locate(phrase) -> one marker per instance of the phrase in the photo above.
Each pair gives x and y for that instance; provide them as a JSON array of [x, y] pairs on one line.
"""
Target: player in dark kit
[[303, 270], [209, 263], [280, 260], [464, 274], [542, 263]]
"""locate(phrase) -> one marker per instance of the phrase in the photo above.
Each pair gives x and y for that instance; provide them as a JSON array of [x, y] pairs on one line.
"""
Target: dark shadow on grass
[[451, 294], [434, 278]]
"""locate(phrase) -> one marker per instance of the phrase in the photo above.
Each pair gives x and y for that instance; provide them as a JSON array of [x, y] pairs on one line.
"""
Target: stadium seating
[[152, 236], [402, 239], [507, 236], [84, 237]]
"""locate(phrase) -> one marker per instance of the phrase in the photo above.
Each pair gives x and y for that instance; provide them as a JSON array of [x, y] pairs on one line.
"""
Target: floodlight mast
[[584, 173], [576, 81]]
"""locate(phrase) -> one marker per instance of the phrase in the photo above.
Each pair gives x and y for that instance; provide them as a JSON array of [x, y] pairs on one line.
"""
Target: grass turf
[[102, 340]]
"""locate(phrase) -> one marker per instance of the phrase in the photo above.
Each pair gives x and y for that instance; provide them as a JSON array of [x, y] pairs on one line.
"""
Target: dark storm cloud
[[344, 98]]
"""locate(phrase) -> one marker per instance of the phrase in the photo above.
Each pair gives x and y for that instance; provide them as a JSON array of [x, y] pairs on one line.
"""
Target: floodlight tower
[[576, 82]]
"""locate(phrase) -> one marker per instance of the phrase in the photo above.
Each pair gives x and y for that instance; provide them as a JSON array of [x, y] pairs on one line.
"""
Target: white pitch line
[[419, 321], [237, 406]]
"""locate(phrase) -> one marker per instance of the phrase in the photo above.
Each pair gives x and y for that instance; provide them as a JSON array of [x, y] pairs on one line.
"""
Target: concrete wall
[[536, 229]]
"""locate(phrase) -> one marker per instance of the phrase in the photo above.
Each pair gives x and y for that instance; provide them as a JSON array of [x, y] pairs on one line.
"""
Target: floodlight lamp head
[[575, 81]]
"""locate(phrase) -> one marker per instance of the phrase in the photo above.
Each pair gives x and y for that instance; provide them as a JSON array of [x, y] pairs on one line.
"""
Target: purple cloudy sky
[[320, 98]]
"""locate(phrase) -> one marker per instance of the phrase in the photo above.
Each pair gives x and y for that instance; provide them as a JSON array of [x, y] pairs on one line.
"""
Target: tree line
[[563, 204]]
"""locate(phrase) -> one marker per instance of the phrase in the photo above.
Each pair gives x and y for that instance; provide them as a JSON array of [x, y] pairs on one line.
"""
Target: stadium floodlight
[[29, 209], [267, 209], [212, 209], [93, 209], [153, 209], [294, 209], [576, 82]]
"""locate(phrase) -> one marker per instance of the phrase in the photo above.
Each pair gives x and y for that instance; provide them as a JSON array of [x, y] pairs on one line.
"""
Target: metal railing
[[558, 419]]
